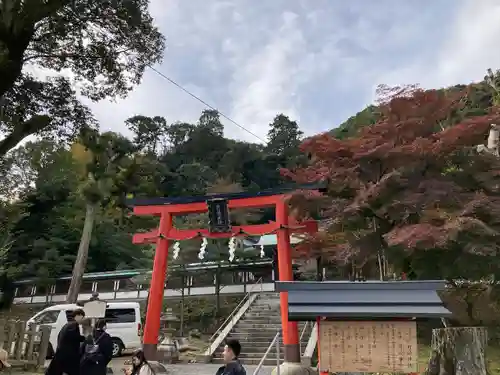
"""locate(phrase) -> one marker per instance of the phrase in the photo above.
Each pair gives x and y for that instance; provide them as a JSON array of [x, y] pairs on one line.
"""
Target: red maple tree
[[411, 183]]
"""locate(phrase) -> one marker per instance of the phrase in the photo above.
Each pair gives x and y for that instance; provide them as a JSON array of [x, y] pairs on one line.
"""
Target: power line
[[178, 85], [204, 102]]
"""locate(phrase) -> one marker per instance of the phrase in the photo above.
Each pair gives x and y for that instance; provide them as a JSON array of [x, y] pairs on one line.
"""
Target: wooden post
[[3, 332], [11, 334], [32, 334], [458, 351], [20, 327], [44, 345]]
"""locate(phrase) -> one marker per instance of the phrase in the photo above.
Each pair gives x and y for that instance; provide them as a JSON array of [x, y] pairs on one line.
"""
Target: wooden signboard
[[95, 309], [368, 346]]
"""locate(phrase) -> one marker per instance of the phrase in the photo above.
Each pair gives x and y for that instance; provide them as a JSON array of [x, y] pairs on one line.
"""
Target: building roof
[[272, 240], [188, 268], [308, 300]]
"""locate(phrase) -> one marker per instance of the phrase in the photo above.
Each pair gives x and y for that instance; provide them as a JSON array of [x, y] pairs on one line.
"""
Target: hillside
[[481, 97]]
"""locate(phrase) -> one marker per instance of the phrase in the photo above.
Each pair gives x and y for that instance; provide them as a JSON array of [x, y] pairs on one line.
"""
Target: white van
[[123, 321]]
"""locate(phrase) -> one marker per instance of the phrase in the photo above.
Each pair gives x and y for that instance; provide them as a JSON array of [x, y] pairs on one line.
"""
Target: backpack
[[91, 351]]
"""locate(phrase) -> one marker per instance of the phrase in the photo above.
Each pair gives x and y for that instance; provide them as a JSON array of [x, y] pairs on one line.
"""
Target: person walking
[[232, 365], [97, 351], [67, 356]]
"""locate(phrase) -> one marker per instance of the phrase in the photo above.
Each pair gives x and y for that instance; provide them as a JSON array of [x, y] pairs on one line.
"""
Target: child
[[140, 365]]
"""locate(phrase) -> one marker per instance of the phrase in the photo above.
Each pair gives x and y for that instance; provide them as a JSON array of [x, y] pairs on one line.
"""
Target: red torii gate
[[166, 208]]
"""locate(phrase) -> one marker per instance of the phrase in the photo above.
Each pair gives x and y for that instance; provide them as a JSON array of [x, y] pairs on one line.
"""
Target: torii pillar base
[[292, 368]]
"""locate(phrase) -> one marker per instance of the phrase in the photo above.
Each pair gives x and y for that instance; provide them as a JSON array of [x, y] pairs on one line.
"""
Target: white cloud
[[262, 85], [469, 48], [317, 62], [154, 98], [472, 46]]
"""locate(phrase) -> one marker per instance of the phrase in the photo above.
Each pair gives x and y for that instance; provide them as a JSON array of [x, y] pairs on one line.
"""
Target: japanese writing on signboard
[[368, 346]]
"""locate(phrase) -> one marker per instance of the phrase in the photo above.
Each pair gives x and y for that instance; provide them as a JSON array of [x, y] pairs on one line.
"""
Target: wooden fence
[[27, 346]]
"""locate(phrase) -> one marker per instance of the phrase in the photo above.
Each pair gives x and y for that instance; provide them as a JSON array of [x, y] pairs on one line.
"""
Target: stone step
[[264, 330], [257, 344], [259, 314], [256, 326], [262, 345], [250, 337], [248, 362], [264, 308], [262, 320], [255, 359], [267, 334], [275, 304], [268, 300], [269, 296], [253, 350]]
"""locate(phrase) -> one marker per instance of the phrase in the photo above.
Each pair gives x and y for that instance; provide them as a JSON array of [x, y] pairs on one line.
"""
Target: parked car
[[123, 324]]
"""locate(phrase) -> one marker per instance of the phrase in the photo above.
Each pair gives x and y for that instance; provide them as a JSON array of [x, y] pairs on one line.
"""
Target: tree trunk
[[319, 271], [83, 253], [183, 279], [458, 351], [217, 291]]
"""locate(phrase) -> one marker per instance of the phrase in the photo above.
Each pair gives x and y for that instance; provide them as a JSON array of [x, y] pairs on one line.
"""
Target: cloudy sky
[[317, 61]]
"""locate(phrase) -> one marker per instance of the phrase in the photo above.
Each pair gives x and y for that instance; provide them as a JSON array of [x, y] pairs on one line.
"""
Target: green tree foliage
[[284, 138], [106, 45], [367, 116], [47, 188]]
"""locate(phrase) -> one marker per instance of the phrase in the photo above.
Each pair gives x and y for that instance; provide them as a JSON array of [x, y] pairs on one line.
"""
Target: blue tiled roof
[[360, 300]]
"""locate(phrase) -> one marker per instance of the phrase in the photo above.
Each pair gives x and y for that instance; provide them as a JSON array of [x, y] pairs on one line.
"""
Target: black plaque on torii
[[219, 220]]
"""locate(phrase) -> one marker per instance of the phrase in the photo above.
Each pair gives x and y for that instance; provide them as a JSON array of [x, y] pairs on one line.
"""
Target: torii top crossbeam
[[286, 189], [198, 204], [218, 207]]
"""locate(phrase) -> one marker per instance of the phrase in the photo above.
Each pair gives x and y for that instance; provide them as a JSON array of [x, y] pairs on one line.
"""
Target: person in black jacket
[[232, 365], [97, 351], [67, 356]]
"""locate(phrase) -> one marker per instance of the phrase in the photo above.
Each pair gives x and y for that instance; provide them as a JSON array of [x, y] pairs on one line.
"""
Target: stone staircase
[[256, 330]]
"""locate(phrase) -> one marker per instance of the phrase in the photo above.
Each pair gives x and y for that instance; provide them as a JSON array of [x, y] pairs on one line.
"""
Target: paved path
[[185, 369], [190, 368]]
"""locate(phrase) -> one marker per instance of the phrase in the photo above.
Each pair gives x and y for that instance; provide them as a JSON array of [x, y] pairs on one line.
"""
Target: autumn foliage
[[412, 185]]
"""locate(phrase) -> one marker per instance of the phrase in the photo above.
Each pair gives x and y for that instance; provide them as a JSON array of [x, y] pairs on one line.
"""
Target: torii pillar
[[167, 208]]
